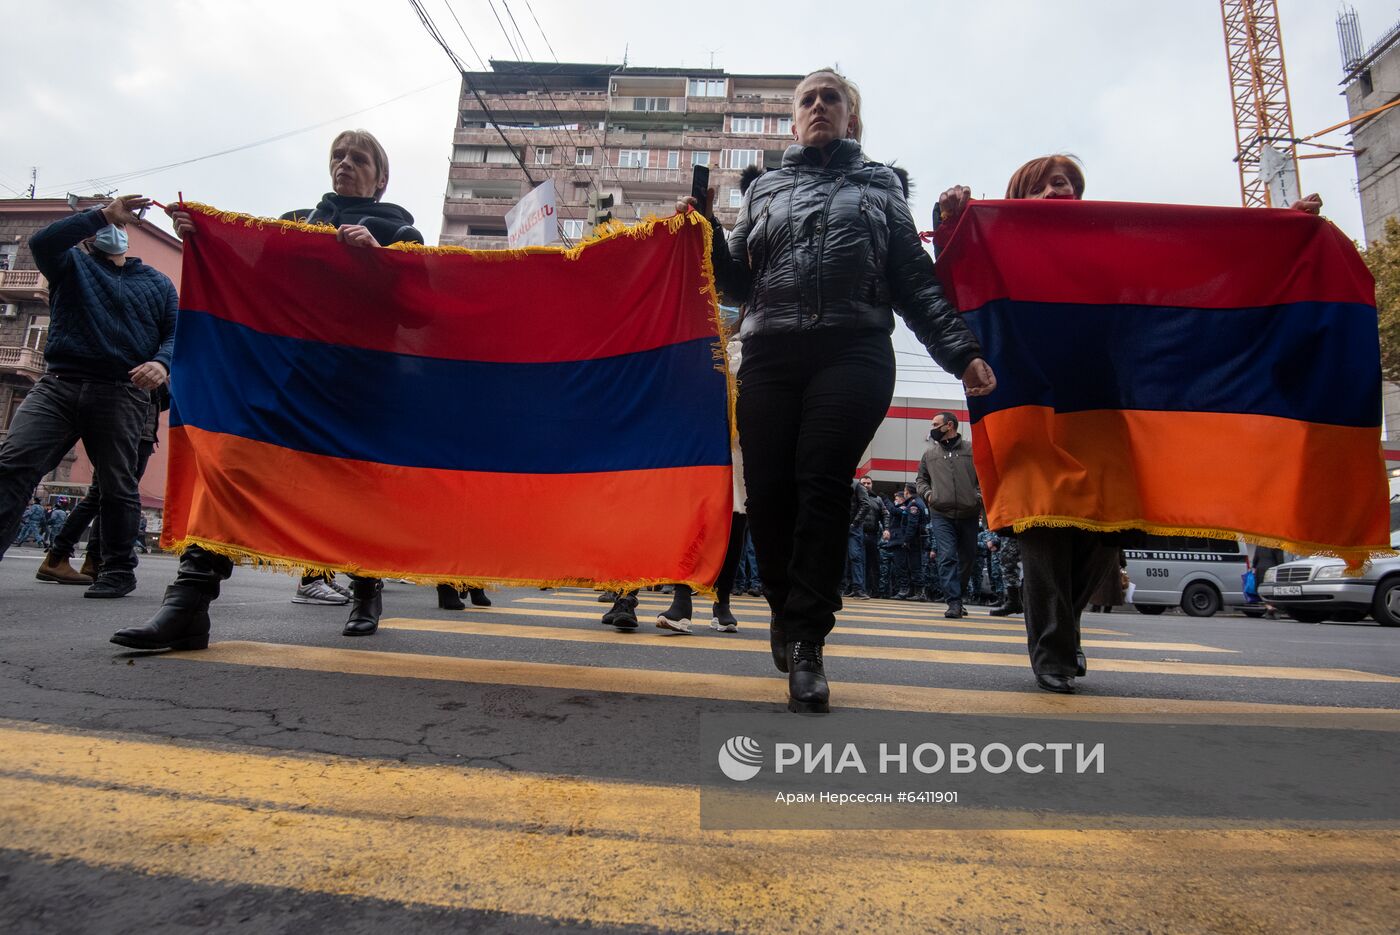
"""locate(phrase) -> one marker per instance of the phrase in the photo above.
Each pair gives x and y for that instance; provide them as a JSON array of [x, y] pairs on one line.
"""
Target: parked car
[[1200, 575], [1311, 590]]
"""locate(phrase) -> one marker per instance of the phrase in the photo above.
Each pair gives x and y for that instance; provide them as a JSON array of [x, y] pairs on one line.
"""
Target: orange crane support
[[1258, 91]]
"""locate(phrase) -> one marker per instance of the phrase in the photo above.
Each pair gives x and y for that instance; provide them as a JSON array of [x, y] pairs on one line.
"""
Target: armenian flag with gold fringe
[[533, 416], [1181, 370]]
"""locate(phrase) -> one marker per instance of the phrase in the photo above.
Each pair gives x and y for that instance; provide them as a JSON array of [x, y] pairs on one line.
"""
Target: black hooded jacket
[[834, 246], [387, 223]]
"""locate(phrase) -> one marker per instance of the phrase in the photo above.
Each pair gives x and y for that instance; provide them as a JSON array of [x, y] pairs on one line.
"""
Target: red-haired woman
[[823, 250], [1062, 567]]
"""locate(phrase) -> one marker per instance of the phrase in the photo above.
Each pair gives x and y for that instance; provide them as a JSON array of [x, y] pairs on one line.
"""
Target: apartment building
[[632, 133]]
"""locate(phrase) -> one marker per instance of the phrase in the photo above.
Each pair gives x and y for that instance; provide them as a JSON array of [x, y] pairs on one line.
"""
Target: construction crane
[[1259, 93]]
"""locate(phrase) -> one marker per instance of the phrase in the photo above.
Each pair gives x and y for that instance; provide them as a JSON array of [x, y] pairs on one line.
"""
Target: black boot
[[723, 619], [677, 616], [623, 613], [478, 596], [807, 689], [448, 599], [182, 622], [1012, 604], [366, 604], [955, 610], [777, 641]]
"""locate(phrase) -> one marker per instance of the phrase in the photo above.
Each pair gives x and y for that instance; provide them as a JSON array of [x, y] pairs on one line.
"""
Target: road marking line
[[841, 650], [598, 850], [841, 618], [766, 690]]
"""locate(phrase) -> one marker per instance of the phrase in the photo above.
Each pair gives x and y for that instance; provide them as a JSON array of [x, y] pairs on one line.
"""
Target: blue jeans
[[955, 541], [855, 560], [747, 578], [109, 419]]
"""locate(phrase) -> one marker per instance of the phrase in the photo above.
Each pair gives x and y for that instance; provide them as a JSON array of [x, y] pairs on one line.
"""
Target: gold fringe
[[296, 566], [1354, 557]]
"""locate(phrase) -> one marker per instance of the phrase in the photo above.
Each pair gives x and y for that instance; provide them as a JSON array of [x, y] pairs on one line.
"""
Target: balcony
[[652, 107], [24, 361], [475, 241], [657, 176], [477, 207], [23, 285]]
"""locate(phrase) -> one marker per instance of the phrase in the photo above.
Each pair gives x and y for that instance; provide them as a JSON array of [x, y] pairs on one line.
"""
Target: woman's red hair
[[1031, 177]]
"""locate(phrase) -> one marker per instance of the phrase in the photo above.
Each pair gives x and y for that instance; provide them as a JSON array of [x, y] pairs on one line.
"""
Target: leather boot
[[777, 641], [91, 567], [807, 689], [366, 604], [448, 598], [1012, 604], [182, 622], [478, 596], [623, 613], [58, 570]]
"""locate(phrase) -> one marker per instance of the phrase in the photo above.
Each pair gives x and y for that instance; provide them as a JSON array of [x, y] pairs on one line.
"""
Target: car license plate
[[1288, 590]]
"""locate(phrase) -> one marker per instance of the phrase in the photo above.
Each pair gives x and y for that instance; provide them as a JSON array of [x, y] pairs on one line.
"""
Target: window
[[701, 157], [469, 154], [544, 155], [500, 155], [8, 252], [572, 228], [673, 159], [736, 198], [651, 103], [36, 335], [740, 158], [583, 157], [785, 125], [745, 124], [706, 87], [632, 159]]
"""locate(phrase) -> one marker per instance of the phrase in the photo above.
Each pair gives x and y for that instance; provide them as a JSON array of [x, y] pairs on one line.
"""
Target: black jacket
[[387, 223], [834, 246]]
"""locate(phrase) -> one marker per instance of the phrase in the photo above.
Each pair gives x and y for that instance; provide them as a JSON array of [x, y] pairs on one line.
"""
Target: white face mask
[[110, 239]]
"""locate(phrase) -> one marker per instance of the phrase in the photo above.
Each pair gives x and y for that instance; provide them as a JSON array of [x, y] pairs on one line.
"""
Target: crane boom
[[1258, 91]]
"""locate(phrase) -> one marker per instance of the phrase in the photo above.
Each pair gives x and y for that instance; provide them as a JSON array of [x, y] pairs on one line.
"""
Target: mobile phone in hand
[[700, 188]]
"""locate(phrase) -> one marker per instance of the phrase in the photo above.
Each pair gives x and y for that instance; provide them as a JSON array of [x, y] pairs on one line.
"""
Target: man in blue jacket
[[111, 334]]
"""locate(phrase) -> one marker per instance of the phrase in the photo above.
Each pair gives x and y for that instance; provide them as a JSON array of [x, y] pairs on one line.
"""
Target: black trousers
[[109, 419], [86, 511], [1061, 569], [809, 404]]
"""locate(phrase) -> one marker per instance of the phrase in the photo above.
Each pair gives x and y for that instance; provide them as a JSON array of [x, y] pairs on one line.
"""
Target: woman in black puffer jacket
[[822, 253]]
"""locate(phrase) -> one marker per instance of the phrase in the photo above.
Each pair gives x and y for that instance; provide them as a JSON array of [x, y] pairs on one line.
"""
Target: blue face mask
[[111, 239]]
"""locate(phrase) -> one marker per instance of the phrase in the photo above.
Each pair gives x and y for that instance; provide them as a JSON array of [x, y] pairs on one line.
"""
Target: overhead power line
[[106, 181]]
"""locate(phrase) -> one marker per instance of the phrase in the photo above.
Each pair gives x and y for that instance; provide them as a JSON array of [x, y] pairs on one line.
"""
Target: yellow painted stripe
[[841, 618], [708, 641], [747, 688], [840, 650], [617, 853]]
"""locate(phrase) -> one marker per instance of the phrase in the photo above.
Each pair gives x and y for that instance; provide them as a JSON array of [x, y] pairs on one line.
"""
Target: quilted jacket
[[104, 319], [827, 241]]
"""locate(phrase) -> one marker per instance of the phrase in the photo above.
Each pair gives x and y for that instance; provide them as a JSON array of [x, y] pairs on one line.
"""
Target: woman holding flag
[[824, 247]]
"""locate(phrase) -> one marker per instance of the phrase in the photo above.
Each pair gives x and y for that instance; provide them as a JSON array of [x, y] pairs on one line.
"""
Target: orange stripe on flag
[[1258, 476], [609, 527]]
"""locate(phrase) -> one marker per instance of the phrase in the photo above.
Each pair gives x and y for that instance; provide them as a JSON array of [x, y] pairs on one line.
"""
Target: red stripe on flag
[[530, 309], [1182, 256]]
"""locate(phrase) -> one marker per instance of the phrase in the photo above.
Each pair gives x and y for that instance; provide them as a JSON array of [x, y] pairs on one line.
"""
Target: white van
[[1201, 576]]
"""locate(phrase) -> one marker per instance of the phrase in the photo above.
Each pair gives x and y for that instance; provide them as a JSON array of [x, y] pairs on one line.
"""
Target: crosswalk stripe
[[609, 852], [771, 689], [841, 618], [900, 654], [700, 622]]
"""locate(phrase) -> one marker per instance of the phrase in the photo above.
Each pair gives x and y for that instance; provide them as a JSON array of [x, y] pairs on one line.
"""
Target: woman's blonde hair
[[848, 90], [381, 158]]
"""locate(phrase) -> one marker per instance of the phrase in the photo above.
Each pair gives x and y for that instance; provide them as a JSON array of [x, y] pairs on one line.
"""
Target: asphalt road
[[523, 768]]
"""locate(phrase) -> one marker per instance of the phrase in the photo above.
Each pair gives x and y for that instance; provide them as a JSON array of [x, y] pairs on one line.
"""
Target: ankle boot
[[478, 596], [366, 604], [182, 622], [1012, 605], [91, 566], [723, 619], [448, 599], [623, 613], [57, 569], [807, 689], [677, 616], [777, 641]]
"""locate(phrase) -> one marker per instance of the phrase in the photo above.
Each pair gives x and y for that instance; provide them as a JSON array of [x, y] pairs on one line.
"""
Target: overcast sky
[[957, 92]]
